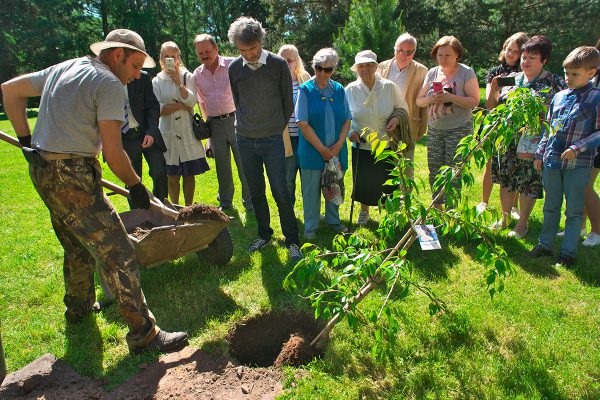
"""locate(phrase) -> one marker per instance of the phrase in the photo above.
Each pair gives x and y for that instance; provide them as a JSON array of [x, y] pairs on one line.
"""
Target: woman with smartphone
[[513, 170], [175, 89], [450, 92], [499, 76]]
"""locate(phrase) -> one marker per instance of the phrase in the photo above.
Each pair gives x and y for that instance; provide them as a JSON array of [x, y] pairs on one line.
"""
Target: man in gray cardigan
[[261, 86], [409, 75]]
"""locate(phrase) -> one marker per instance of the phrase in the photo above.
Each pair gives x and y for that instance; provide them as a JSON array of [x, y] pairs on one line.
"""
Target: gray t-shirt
[[451, 116], [76, 94]]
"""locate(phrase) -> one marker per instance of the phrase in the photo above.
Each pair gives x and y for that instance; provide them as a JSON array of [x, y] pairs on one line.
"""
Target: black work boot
[[165, 342]]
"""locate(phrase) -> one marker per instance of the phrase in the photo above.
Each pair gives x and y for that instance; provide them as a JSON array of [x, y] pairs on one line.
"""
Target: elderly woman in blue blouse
[[323, 116]]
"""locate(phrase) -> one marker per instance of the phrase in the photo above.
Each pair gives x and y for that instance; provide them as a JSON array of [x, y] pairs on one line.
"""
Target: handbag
[[199, 127], [330, 181]]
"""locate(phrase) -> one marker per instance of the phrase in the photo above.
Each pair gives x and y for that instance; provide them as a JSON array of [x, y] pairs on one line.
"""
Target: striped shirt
[[292, 126], [575, 115]]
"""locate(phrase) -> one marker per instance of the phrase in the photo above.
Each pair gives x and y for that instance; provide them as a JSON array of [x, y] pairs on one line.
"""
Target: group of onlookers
[[286, 122], [272, 116]]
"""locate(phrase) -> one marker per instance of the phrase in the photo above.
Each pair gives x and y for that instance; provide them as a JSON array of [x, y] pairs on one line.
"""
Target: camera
[[170, 63], [506, 81]]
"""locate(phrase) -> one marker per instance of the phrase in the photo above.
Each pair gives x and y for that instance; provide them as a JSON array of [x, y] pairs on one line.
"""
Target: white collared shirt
[[398, 77], [132, 122], [262, 59]]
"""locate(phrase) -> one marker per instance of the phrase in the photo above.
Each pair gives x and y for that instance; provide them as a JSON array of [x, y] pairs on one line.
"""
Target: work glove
[[139, 196], [25, 140]]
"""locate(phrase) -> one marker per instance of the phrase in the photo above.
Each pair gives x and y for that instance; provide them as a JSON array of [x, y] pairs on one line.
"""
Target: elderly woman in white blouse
[[176, 92], [372, 101]]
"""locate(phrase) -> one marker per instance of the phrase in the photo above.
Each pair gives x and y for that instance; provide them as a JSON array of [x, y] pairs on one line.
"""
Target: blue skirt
[[188, 168]]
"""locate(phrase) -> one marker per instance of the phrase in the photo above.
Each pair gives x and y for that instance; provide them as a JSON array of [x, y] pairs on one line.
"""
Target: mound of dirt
[[296, 351], [198, 212], [188, 374]]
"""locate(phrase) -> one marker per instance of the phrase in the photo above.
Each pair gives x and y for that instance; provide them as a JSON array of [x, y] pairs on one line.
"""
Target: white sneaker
[[582, 234], [515, 214], [481, 207], [363, 218], [498, 225], [592, 240]]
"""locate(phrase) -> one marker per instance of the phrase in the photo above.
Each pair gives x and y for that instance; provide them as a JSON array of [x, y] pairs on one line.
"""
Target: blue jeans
[[270, 153], [571, 184], [291, 169], [311, 198]]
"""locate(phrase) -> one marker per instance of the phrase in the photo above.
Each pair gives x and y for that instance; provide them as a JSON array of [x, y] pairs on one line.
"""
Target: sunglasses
[[324, 69], [289, 60], [406, 53]]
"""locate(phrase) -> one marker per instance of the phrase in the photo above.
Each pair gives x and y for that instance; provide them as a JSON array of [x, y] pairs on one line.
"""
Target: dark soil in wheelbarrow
[[275, 339], [198, 212]]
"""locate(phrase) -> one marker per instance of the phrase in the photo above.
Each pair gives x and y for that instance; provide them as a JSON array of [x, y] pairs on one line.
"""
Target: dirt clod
[[197, 212], [296, 351]]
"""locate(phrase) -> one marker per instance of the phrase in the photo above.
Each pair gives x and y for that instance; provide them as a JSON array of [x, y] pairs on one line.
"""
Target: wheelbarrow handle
[[155, 204], [10, 139]]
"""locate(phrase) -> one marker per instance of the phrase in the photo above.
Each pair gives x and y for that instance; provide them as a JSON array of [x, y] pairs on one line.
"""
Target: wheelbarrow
[[168, 239], [158, 236]]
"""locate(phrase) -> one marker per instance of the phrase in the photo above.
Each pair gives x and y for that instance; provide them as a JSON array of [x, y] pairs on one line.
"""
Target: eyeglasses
[[289, 61], [324, 69], [406, 53]]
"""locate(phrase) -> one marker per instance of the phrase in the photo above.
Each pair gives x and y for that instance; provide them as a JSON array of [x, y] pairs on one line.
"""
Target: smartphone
[[506, 81], [437, 87], [170, 63]]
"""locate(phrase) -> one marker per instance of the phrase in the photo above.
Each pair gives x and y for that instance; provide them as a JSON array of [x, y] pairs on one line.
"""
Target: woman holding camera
[[514, 171], [510, 58], [175, 89], [450, 92]]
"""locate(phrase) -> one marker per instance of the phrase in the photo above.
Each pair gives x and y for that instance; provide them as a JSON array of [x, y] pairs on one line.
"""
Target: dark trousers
[[268, 152], [132, 144]]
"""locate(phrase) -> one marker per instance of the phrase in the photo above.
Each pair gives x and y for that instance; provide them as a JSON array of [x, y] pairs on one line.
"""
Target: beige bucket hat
[[123, 38], [364, 57]]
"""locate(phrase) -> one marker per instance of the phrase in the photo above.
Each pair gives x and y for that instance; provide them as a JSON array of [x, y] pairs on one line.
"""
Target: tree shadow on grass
[[432, 264]]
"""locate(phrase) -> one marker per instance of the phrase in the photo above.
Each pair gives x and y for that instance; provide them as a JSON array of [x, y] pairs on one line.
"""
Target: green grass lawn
[[540, 339]]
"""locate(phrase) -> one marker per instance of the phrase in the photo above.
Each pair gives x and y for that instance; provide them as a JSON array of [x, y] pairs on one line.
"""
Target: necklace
[[521, 83]]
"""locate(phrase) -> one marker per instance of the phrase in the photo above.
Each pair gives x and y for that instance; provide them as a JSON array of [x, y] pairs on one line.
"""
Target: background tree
[[373, 25]]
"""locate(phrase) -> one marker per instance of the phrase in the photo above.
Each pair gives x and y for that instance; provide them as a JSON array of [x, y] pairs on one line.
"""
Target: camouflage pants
[[91, 233], [441, 148]]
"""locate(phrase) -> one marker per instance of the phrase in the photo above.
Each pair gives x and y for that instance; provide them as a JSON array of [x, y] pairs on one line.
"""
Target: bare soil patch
[[188, 374]]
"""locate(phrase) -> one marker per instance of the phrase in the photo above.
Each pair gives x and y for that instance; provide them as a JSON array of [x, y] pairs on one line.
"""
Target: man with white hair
[[261, 86], [409, 75], [82, 111]]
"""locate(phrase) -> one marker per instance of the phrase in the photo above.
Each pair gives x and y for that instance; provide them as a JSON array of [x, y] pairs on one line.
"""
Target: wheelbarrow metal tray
[[168, 239]]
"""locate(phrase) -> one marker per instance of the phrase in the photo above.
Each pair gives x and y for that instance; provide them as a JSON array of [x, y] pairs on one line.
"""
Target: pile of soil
[[198, 212], [188, 374], [296, 351]]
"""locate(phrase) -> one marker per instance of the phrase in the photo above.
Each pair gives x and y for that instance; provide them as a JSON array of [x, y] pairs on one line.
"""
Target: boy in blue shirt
[[566, 158]]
